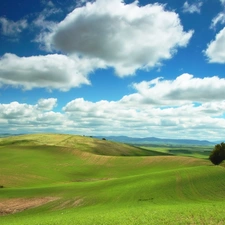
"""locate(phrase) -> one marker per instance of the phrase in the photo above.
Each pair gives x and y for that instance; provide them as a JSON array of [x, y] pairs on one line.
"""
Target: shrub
[[218, 154]]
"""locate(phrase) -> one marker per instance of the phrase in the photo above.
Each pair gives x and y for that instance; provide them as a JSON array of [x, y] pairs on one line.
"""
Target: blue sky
[[113, 67]]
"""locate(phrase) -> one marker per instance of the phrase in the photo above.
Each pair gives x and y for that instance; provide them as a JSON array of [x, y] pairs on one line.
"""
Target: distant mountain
[[8, 135], [5, 135], [154, 140]]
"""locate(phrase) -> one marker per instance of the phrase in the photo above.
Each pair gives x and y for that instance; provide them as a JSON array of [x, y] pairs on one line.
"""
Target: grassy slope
[[110, 189]]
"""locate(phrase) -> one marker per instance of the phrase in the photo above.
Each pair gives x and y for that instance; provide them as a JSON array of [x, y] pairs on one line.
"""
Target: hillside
[[76, 143], [52, 158], [66, 179]]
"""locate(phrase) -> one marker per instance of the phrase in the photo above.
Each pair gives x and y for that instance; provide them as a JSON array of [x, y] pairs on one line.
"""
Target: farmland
[[68, 179]]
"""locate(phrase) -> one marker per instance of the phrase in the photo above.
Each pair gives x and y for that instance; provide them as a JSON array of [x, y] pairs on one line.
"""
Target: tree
[[218, 154]]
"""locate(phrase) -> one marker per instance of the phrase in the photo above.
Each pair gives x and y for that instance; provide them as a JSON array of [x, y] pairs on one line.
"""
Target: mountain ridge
[[154, 140]]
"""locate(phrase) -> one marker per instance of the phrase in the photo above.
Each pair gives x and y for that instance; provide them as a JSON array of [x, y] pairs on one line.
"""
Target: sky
[[112, 67]]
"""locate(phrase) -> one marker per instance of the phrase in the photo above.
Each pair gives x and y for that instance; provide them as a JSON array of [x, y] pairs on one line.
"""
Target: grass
[[182, 150], [125, 215], [101, 182]]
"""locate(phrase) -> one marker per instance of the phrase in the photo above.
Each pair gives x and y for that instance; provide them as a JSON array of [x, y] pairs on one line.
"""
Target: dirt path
[[10, 206]]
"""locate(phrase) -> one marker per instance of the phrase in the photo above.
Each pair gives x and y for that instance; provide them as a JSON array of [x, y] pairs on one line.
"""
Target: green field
[[51, 179], [181, 150]]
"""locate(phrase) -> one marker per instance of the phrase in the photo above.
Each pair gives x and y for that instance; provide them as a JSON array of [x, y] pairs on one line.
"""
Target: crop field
[[52, 179], [181, 150]]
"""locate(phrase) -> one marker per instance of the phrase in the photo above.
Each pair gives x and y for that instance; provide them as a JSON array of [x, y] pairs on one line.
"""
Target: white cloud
[[192, 8], [185, 89], [50, 119], [216, 49], [47, 104], [11, 28], [14, 110], [200, 116], [19, 117], [186, 107], [80, 3], [137, 119], [50, 71], [45, 24], [41, 21], [125, 36], [47, 3], [220, 18]]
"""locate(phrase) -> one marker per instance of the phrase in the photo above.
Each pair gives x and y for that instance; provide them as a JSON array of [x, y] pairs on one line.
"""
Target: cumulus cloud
[[51, 71], [192, 8], [216, 49], [14, 110], [182, 107], [47, 104], [20, 117], [11, 28], [50, 119], [183, 90], [197, 117], [125, 36], [117, 118]]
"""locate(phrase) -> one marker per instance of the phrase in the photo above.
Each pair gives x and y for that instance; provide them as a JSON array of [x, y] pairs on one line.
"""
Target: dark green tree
[[218, 154]]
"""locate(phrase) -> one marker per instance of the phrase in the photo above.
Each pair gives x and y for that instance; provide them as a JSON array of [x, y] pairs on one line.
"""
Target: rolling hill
[[67, 179]]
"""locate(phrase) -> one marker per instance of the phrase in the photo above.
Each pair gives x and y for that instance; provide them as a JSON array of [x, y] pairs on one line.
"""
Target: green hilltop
[[69, 179]]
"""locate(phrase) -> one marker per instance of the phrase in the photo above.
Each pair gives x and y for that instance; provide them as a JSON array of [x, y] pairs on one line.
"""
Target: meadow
[[54, 179]]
